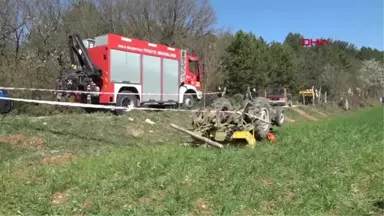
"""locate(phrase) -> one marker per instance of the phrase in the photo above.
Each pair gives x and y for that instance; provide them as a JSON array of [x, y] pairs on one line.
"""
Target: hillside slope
[[83, 164]]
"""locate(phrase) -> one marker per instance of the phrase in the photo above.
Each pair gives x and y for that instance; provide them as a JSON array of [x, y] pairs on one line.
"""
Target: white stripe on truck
[[152, 45], [126, 39]]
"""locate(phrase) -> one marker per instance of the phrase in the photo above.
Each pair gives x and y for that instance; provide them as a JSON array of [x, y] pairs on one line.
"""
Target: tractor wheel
[[261, 109], [222, 104]]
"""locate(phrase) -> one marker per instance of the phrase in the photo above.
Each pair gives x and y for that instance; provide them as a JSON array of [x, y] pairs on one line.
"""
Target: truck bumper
[[199, 95], [277, 103]]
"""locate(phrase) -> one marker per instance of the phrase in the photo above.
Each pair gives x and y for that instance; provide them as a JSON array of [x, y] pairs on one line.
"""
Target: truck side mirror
[[202, 67]]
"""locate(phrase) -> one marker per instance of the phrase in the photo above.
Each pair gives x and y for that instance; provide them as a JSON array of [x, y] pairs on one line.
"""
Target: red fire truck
[[145, 73]]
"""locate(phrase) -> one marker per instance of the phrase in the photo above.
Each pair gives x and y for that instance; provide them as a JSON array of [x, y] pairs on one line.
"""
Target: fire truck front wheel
[[189, 101], [127, 100]]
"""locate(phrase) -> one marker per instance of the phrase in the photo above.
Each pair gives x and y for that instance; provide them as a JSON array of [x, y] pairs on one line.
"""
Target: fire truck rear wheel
[[129, 101]]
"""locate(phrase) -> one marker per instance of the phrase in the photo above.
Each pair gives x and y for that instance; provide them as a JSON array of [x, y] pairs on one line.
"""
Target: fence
[[307, 97]]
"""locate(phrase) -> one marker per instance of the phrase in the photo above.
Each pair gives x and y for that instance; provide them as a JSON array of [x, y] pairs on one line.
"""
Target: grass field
[[102, 164]]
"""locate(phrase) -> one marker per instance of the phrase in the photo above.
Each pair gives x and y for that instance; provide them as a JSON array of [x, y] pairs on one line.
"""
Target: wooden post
[[204, 99], [265, 93], [313, 95], [325, 97], [285, 96], [206, 140], [303, 98]]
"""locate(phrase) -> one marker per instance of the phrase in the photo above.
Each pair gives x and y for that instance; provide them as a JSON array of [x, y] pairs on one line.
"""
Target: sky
[[356, 21]]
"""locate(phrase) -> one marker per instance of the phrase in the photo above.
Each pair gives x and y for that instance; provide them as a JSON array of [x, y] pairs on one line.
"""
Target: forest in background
[[33, 46]]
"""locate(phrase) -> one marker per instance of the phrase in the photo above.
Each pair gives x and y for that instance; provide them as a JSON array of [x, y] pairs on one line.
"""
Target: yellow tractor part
[[243, 135], [248, 136], [308, 92]]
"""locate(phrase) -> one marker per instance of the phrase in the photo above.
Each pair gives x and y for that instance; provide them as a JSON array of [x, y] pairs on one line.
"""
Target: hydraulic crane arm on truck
[[83, 71], [80, 58]]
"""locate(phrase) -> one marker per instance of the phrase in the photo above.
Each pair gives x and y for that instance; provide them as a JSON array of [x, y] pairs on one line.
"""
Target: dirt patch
[[265, 181], [267, 206], [332, 213], [19, 141], [87, 204], [21, 171], [159, 195], [134, 131], [34, 179], [59, 159], [203, 207], [79, 214], [145, 200], [289, 196], [13, 139], [306, 115], [59, 198]]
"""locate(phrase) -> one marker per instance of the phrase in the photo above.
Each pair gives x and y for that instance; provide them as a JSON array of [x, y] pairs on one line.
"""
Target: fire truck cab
[[144, 73]]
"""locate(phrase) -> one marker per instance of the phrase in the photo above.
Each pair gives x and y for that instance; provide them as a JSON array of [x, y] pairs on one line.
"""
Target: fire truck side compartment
[[125, 67], [151, 78], [170, 79], [155, 74]]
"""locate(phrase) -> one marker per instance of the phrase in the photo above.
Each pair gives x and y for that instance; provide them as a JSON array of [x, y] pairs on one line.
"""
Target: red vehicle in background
[[146, 73], [279, 97]]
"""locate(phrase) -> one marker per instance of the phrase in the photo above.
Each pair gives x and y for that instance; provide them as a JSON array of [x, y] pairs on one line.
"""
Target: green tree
[[282, 66], [244, 63]]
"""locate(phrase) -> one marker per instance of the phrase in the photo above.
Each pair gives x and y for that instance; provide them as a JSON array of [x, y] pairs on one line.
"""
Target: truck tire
[[260, 108], [6, 106], [189, 102], [129, 101]]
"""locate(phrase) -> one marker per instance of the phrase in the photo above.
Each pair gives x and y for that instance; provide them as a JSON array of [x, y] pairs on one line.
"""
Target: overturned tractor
[[252, 121]]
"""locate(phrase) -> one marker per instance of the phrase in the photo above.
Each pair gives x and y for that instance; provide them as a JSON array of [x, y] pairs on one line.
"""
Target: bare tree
[[171, 22]]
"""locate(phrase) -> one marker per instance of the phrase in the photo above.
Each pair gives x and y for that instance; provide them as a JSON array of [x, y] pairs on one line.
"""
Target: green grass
[[333, 166]]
